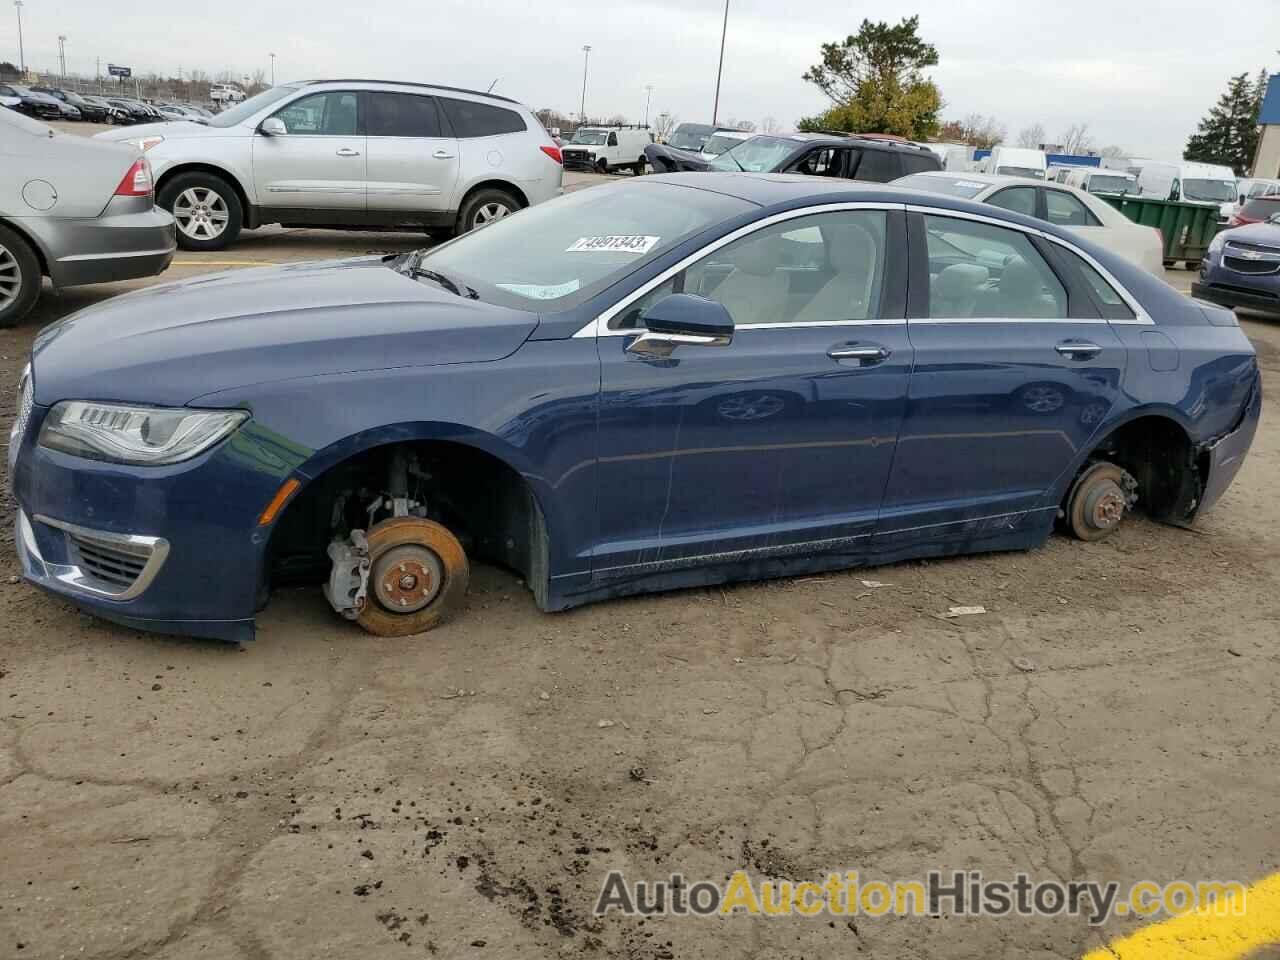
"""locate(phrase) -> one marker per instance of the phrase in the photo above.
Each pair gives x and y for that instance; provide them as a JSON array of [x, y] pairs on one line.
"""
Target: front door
[[780, 442], [412, 167], [319, 164], [1012, 379]]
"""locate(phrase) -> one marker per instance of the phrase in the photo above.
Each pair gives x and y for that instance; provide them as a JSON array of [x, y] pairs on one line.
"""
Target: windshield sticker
[[538, 291], [618, 244]]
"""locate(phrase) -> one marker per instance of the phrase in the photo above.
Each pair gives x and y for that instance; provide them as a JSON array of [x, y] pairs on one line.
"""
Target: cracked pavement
[[324, 793]]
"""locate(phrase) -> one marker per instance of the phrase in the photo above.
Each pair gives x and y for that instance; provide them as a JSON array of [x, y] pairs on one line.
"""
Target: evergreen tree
[[1228, 134]]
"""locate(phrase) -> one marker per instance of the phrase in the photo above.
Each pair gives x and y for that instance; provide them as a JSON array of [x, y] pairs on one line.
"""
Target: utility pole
[[22, 56], [724, 29], [648, 96], [62, 54], [273, 68], [582, 109]]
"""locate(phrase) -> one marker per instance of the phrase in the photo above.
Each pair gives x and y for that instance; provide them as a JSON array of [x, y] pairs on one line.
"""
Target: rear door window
[[919, 163], [879, 166], [1018, 199], [1064, 210], [470, 119], [401, 115], [823, 162]]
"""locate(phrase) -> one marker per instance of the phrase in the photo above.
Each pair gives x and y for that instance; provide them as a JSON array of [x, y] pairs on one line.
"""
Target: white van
[[1097, 180], [1187, 182], [1016, 162], [605, 148]]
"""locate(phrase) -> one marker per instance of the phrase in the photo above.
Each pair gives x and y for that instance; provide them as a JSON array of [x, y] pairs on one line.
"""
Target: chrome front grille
[[1253, 259]]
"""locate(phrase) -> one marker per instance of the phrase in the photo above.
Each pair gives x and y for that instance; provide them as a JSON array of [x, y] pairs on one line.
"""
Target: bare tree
[[747, 126], [664, 125], [1031, 136], [1076, 139], [1113, 152], [617, 120], [769, 125], [976, 130]]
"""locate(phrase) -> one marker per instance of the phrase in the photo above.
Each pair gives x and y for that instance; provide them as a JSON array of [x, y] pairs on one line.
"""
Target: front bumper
[[166, 549], [1236, 295], [121, 244]]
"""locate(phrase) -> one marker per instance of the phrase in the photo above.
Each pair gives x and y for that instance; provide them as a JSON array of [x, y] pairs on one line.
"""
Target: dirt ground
[[324, 793]]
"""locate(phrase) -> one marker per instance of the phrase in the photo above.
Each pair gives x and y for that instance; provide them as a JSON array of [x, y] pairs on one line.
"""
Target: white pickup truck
[[606, 148]]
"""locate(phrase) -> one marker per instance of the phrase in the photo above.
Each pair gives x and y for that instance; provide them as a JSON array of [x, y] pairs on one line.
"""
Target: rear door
[[319, 164], [1014, 371], [412, 164], [780, 442]]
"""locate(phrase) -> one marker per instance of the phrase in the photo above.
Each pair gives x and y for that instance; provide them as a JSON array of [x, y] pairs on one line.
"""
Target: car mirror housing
[[683, 319], [273, 127]]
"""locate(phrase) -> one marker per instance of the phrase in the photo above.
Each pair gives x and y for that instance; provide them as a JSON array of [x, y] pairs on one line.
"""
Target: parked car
[[658, 383], [87, 110], [1016, 162], [9, 97], [850, 157], [692, 136], [1259, 209], [137, 111], [1250, 188], [350, 153], [74, 210], [33, 104], [225, 93], [1054, 203], [1241, 268], [1098, 180], [607, 148], [664, 158], [112, 113], [1187, 182]]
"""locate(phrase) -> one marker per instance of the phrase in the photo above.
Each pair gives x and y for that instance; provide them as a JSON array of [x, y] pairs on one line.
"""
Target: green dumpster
[[1187, 228]]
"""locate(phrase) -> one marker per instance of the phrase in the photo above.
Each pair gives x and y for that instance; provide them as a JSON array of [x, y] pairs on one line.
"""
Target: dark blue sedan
[[1242, 268], [661, 383]]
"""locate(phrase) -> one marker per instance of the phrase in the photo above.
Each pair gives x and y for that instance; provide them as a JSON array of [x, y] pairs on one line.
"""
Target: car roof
[[397, 84]]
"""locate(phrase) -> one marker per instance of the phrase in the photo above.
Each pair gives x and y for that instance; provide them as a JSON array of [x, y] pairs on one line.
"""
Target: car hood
[[1264, 233], [168, 129], [172, 343]]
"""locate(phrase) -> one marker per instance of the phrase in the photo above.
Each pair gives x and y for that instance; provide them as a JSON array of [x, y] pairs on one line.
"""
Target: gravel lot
[[324, 793]]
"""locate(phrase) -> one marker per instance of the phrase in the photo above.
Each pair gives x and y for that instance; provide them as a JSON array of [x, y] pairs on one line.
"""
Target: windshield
[[757, 155], [1102, 183], [690, 136], [720, 143], [951, 186], [1209, 191], [558, 254], [589, 136], [1031, 172], [249, 107]]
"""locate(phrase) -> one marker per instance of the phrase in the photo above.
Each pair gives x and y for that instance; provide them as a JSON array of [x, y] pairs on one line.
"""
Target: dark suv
[[851, 157]]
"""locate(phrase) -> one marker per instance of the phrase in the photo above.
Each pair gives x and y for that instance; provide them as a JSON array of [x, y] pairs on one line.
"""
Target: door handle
[[1078, 349], [866, 354], [442, 155], [348, 152]]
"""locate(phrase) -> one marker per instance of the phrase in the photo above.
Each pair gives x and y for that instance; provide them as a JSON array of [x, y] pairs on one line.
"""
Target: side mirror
[[681, 320], [273, 127]]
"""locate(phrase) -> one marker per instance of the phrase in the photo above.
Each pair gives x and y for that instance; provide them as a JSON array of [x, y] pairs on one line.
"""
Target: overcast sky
[[1139, 72]]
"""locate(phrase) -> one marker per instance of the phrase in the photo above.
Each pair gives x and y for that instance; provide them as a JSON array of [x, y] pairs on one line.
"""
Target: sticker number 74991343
[[613, 244]]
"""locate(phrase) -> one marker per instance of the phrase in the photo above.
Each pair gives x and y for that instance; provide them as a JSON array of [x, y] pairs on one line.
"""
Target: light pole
[[648, 96], [22, 57], [62, 54], [582, 109], [273, 68], [724, 29]]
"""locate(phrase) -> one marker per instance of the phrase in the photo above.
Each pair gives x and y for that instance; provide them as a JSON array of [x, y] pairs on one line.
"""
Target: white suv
[[350, 154]]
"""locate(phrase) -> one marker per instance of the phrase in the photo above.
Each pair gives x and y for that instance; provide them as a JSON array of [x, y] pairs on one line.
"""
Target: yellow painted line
[[1202, 936], [227, 263]]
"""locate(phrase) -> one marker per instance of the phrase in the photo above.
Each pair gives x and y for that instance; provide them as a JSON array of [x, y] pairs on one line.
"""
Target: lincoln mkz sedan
[[661, 383]]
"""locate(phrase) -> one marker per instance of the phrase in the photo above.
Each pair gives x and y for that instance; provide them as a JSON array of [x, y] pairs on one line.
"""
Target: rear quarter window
[[878, 166], [1106, 298], [470, 119], [919, 163]]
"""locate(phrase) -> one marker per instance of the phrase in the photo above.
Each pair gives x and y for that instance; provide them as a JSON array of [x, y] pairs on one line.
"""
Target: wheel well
[[503, 185], [35, 247], [1160, 455], [483, 501], [209, 168]]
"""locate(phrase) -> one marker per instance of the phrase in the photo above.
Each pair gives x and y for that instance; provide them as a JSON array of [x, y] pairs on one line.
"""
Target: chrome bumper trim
[[153, 551]]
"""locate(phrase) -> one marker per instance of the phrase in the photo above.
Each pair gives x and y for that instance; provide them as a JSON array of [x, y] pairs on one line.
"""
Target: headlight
[[1218, 240], [140, 435], [146, 143]]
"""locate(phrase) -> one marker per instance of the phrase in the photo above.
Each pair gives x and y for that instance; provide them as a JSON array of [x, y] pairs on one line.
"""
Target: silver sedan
[[75, 210]]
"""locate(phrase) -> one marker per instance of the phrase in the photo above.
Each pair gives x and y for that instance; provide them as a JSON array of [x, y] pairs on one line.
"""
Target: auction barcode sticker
[[614, 244]]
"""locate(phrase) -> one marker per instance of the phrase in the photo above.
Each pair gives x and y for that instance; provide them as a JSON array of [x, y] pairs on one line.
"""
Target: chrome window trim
[[1140, 318], [599, 327], [155, 549]]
